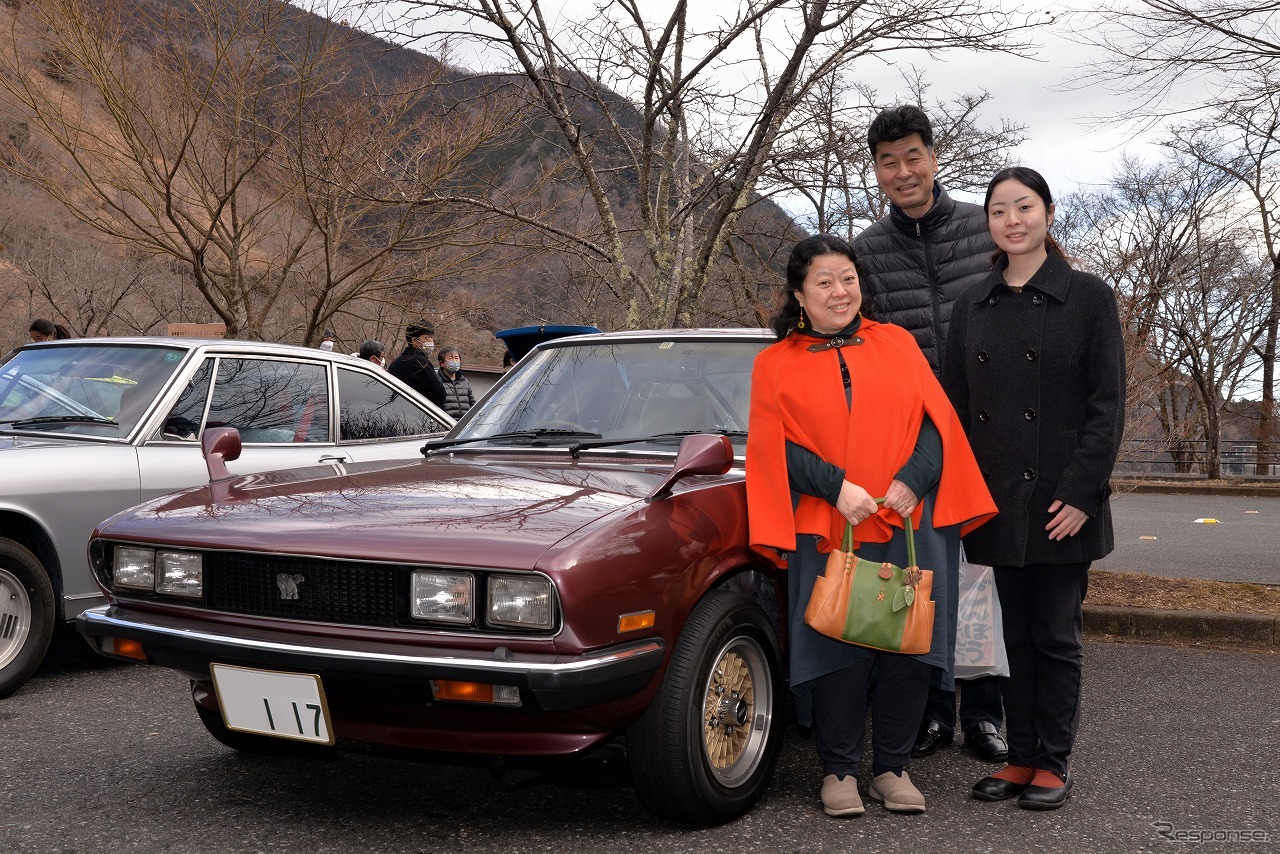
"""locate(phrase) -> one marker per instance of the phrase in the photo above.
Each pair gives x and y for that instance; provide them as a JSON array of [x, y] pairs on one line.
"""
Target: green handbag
[[877, 605]]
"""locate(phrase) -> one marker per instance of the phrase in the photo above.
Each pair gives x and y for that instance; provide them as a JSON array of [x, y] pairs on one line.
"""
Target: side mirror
[[701, 453], [220, 445]]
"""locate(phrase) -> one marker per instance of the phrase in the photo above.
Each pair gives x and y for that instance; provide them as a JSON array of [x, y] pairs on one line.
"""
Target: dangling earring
[[800, 325]]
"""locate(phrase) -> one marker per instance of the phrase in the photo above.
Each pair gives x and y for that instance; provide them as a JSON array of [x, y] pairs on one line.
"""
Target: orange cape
[[797, 394]]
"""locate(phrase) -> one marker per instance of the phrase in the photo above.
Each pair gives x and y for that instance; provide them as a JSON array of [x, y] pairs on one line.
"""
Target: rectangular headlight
[[134, 567], [444, 597], [180, 574], [520, 601]]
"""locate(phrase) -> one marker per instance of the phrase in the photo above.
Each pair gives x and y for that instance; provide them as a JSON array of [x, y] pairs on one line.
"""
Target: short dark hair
[[422, 327], [802, 255], [897, 123], [369, 349], [445, 351]]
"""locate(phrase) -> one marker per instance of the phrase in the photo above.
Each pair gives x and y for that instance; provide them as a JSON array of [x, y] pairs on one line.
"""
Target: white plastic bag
[[980, 647]]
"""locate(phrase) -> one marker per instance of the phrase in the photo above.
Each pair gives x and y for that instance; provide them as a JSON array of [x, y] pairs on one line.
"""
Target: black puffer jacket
[[915, 269]]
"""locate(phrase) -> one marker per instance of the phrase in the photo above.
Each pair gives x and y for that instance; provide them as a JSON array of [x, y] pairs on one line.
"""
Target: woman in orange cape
[[844, 410]]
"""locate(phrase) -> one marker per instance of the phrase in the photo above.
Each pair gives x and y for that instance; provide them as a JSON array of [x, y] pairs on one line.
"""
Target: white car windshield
[[83, 389]]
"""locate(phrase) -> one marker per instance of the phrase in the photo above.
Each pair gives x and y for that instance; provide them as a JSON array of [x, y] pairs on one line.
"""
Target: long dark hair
[[48, 327], [802, 255], [1035, 182]]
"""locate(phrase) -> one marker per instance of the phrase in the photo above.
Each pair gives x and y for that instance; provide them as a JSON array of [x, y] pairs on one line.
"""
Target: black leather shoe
[[1045, 798], [985, 741], [933, 735], [995, 789]]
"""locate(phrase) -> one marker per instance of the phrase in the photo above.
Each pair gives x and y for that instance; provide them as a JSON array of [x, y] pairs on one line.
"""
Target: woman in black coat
[[1035, 369]]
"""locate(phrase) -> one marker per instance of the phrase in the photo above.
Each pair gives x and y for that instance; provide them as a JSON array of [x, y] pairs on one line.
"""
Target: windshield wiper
[[656, 437], [63, 419], [534, 435]]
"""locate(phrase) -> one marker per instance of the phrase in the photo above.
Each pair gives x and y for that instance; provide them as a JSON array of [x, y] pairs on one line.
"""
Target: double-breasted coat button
[[1028, 474], [984, 415], [983, 355], [1030, 415], [1037, 299], [993, 299], [1032, 355]]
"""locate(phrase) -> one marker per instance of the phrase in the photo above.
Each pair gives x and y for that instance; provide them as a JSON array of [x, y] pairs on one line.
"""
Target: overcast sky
[[1063, 140]]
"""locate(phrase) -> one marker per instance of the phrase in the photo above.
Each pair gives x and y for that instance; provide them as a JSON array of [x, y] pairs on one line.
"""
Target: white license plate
[[264, 702]]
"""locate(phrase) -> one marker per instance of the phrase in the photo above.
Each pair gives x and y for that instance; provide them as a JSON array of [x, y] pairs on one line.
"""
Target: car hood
[[485, 511]]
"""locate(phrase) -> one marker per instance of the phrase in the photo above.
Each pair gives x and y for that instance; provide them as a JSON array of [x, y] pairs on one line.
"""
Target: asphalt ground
[[1208, 530], [1176, 745]]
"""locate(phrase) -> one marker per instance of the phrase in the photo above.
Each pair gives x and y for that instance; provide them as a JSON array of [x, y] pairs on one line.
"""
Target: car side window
[[270, 400], [369, 408], [183, 420]]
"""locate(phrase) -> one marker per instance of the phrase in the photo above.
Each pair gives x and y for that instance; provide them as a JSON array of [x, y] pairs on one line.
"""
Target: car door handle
[[333, 458]]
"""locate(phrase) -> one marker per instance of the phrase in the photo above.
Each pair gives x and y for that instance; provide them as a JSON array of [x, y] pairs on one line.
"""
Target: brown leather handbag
[[877, 605]]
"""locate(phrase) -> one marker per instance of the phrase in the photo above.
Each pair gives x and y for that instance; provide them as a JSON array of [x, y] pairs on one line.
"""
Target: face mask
[[452, 367], [326, 345]]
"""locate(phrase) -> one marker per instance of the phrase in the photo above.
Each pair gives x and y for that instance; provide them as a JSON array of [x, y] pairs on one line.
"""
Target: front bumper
[[553, 682]]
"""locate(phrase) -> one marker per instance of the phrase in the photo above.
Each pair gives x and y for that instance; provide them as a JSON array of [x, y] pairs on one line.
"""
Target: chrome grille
[[331, 591]]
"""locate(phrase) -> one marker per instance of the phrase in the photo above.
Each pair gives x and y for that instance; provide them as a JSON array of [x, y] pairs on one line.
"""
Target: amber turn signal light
[[475, 692], [128, 649], [636, 621]]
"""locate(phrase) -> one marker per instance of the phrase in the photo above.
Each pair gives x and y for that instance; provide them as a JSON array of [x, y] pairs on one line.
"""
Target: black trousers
[[979, 701], [1044, 635], [894, 686]]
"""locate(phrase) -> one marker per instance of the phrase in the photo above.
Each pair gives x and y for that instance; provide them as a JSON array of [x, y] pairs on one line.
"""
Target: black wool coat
[[1038, 380], [415, 368]]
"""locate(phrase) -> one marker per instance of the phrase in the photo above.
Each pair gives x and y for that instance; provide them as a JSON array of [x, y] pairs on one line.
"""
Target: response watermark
[[1210, 834]]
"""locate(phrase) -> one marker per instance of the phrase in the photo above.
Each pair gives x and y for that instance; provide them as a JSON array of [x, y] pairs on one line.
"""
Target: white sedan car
[[90, 427]]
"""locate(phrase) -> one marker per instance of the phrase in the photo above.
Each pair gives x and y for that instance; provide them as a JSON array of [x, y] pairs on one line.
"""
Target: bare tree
[[686, 112], [1155, 48], [1188, 281], [246, 140], [1240, 141], [828, 164]]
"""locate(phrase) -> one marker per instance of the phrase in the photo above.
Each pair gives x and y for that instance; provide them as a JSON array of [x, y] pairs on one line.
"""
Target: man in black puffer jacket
[[914, 263], [918, 259]]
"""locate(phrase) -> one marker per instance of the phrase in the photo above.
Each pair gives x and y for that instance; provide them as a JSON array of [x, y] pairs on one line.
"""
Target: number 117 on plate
[[266, 702]]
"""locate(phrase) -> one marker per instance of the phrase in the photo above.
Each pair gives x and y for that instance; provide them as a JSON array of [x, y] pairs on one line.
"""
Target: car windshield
[[100, 390], [662, 389]]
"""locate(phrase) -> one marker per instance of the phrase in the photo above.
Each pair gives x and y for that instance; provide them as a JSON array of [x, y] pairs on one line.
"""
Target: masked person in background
[[458, 397], [415, 367], [326, 343], [371, 351]]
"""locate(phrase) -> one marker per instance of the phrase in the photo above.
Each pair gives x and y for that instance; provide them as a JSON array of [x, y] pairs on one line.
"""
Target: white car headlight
[[134, 568], [180, 574], [445, 597], [520, 601]]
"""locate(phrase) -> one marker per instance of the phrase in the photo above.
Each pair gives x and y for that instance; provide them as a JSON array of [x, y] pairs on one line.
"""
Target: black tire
[[706, 748], [246, 742], [27, 614]]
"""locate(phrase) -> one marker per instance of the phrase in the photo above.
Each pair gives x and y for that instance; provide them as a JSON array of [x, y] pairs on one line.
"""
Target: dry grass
[[1136, 590]]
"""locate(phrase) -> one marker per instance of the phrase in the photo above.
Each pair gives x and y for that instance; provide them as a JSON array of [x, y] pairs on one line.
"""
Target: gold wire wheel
[[737, 710]]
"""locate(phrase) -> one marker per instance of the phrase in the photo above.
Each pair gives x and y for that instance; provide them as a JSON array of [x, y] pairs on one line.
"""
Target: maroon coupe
[[566, 570]]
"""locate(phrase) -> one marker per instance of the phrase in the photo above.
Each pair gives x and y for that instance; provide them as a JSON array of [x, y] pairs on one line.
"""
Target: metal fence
[[1190, 458]]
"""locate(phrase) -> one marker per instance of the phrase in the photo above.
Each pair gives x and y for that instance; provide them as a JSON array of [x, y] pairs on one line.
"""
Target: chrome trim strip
[[100, 619]]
